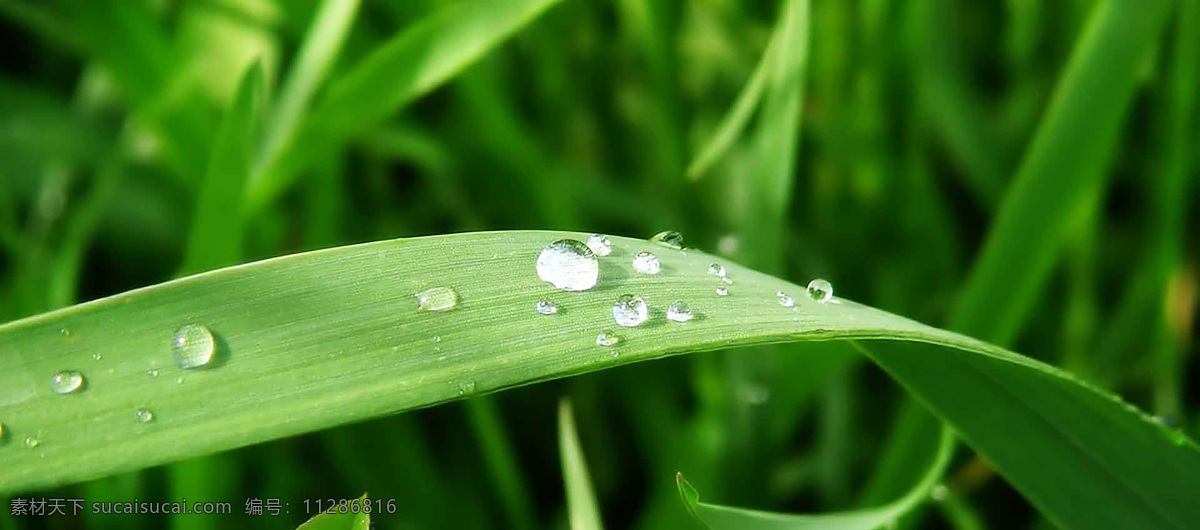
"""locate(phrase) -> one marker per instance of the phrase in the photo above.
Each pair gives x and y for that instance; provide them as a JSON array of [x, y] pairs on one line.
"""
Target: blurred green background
[[878, 163]]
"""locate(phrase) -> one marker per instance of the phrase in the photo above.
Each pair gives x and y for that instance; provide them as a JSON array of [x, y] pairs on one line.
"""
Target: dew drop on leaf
[[646, 263], [66, 382], [607, 338], [785, 299], [679, 312], [669, 239], [193, 346], [600, 244], [630, 311], [569, 265], [820, 290], [144, 415], [437, 299], [546, 307]]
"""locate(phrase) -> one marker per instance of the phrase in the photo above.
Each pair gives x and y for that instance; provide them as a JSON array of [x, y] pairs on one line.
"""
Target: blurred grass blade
[[739, 114], [1063, 170], [314, 340], [215, 239], [313, 62], [501, 461], [720, 517], [412, 63], [333, 519], [583, 511]]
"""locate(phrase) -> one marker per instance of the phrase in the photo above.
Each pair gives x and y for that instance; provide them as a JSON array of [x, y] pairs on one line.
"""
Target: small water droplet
[[152, 372], [820, 290], [630, 311], [716, 269], [679, 312], [65, 332], [193, 346], [607, 338], [546, 307], [437, 299], [785, 300], [727, 280], [32, 442], [722, 291], [437, 338], [939, 492], [646, 263], [600, 244], [614, 354], [144, 415], [178, 380], [669, 239], [466, 388], [97, 357], [569, 265], [66, 381]]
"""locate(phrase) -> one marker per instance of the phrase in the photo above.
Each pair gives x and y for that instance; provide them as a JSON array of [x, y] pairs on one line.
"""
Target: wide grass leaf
[[719, 517], [314, 340]]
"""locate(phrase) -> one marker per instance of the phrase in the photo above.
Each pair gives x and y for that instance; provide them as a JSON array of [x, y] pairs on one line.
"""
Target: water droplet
[[614, 354], [600, 244], [437, 299], [152, 372], [727, 280], [466, 388], [669, 239], [569, 265], [193, 346], [66, 381], [785, 300], [630, 311], [722, 291], [716, 269], [178, 380], [144, 415], [820, 290], [939, 492], [646, 263], [546, 307], [32, 442], [97, 357], [607, 338], [679, 312], [65, 332]]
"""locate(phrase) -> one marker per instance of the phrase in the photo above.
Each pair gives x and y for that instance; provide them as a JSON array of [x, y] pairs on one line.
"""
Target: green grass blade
[[216, 231], [313, 62], [719, 517], [739, 114], [501, 461], [334, 519], [1063, 168], [314, 340], [411, 64], [583, 511]]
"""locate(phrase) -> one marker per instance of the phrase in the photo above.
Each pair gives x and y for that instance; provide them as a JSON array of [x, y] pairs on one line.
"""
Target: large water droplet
[[785, 299], [722, 291], [716, 269], [646, 263], [144, 415], [630, 311], [546, 307], [820, 290], [66, 381], [669, 239], [600, 244], [32, 442], [569, 265], [607, 338], [679, 312], [193, 346]]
